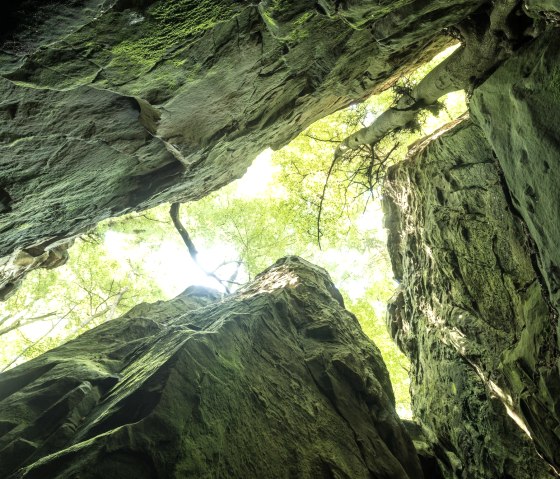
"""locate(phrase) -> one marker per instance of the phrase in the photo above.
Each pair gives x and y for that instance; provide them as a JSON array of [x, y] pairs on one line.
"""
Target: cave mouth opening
[[295, 201]]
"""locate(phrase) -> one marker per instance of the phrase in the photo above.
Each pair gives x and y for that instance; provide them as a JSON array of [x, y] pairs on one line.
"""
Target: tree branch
[[174, 213], [322, 199], [53, 326], [471, 62], [20, 322]]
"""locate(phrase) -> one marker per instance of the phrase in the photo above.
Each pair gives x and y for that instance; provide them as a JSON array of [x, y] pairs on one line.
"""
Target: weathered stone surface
[[108, 106], [433, 458], [275, 381], [518, 108], [470, 314]]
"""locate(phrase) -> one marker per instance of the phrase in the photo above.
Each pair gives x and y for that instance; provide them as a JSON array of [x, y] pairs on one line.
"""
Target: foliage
[[53, 306]]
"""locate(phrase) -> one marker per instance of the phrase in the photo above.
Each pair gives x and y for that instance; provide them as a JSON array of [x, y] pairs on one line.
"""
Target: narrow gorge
[[115, 106]]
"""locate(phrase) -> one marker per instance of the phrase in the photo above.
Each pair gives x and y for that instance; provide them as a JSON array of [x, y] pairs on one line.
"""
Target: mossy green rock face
[[275, 381], [518, 108], [109, 106], [470, 312]]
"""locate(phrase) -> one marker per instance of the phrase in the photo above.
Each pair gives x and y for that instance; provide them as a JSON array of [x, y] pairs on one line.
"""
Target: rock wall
[[108, 106], [470, 312], [518, 108], [474, 240], [275, 381], [522, 99]]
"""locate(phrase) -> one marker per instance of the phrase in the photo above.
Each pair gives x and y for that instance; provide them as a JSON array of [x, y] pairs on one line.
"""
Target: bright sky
[[171, 264]]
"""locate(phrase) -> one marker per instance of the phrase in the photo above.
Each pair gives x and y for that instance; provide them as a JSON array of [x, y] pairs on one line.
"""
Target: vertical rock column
[[275, 381], [518, 109], [470, 312]]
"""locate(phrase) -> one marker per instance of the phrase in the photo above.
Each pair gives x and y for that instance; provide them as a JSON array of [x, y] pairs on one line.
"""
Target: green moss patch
[[168, 26]]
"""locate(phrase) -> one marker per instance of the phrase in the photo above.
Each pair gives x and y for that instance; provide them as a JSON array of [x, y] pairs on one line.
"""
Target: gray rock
[[275, 381], [518, 108]]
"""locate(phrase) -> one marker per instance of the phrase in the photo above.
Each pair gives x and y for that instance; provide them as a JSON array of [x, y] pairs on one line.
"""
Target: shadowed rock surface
[[112, 106], [473, 236], [277, 380], [470, 312], [518, 109]]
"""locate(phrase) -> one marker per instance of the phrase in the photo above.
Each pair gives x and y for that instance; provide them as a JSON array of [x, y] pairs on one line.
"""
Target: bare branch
[[226, 263], [322, 199], [109, 310], [325, 140], [20, 322], [149, 218], [470, 63], [22, 353], [174, 213]]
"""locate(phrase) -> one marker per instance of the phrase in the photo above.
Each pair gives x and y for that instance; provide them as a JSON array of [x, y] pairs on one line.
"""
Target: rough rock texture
[[113, 105], [470, 312], [518, 108], [275, 381]]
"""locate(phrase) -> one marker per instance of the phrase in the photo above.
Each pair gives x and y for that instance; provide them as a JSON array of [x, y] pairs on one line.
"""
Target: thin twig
[[20, 322], [333, 162], [109, 309], [145, 216], [174, 213], [326, 140]]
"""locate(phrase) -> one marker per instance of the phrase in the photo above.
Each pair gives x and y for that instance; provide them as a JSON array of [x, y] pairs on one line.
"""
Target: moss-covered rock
[[203, 85], [275, 381], [518, 108], [470, 312]]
